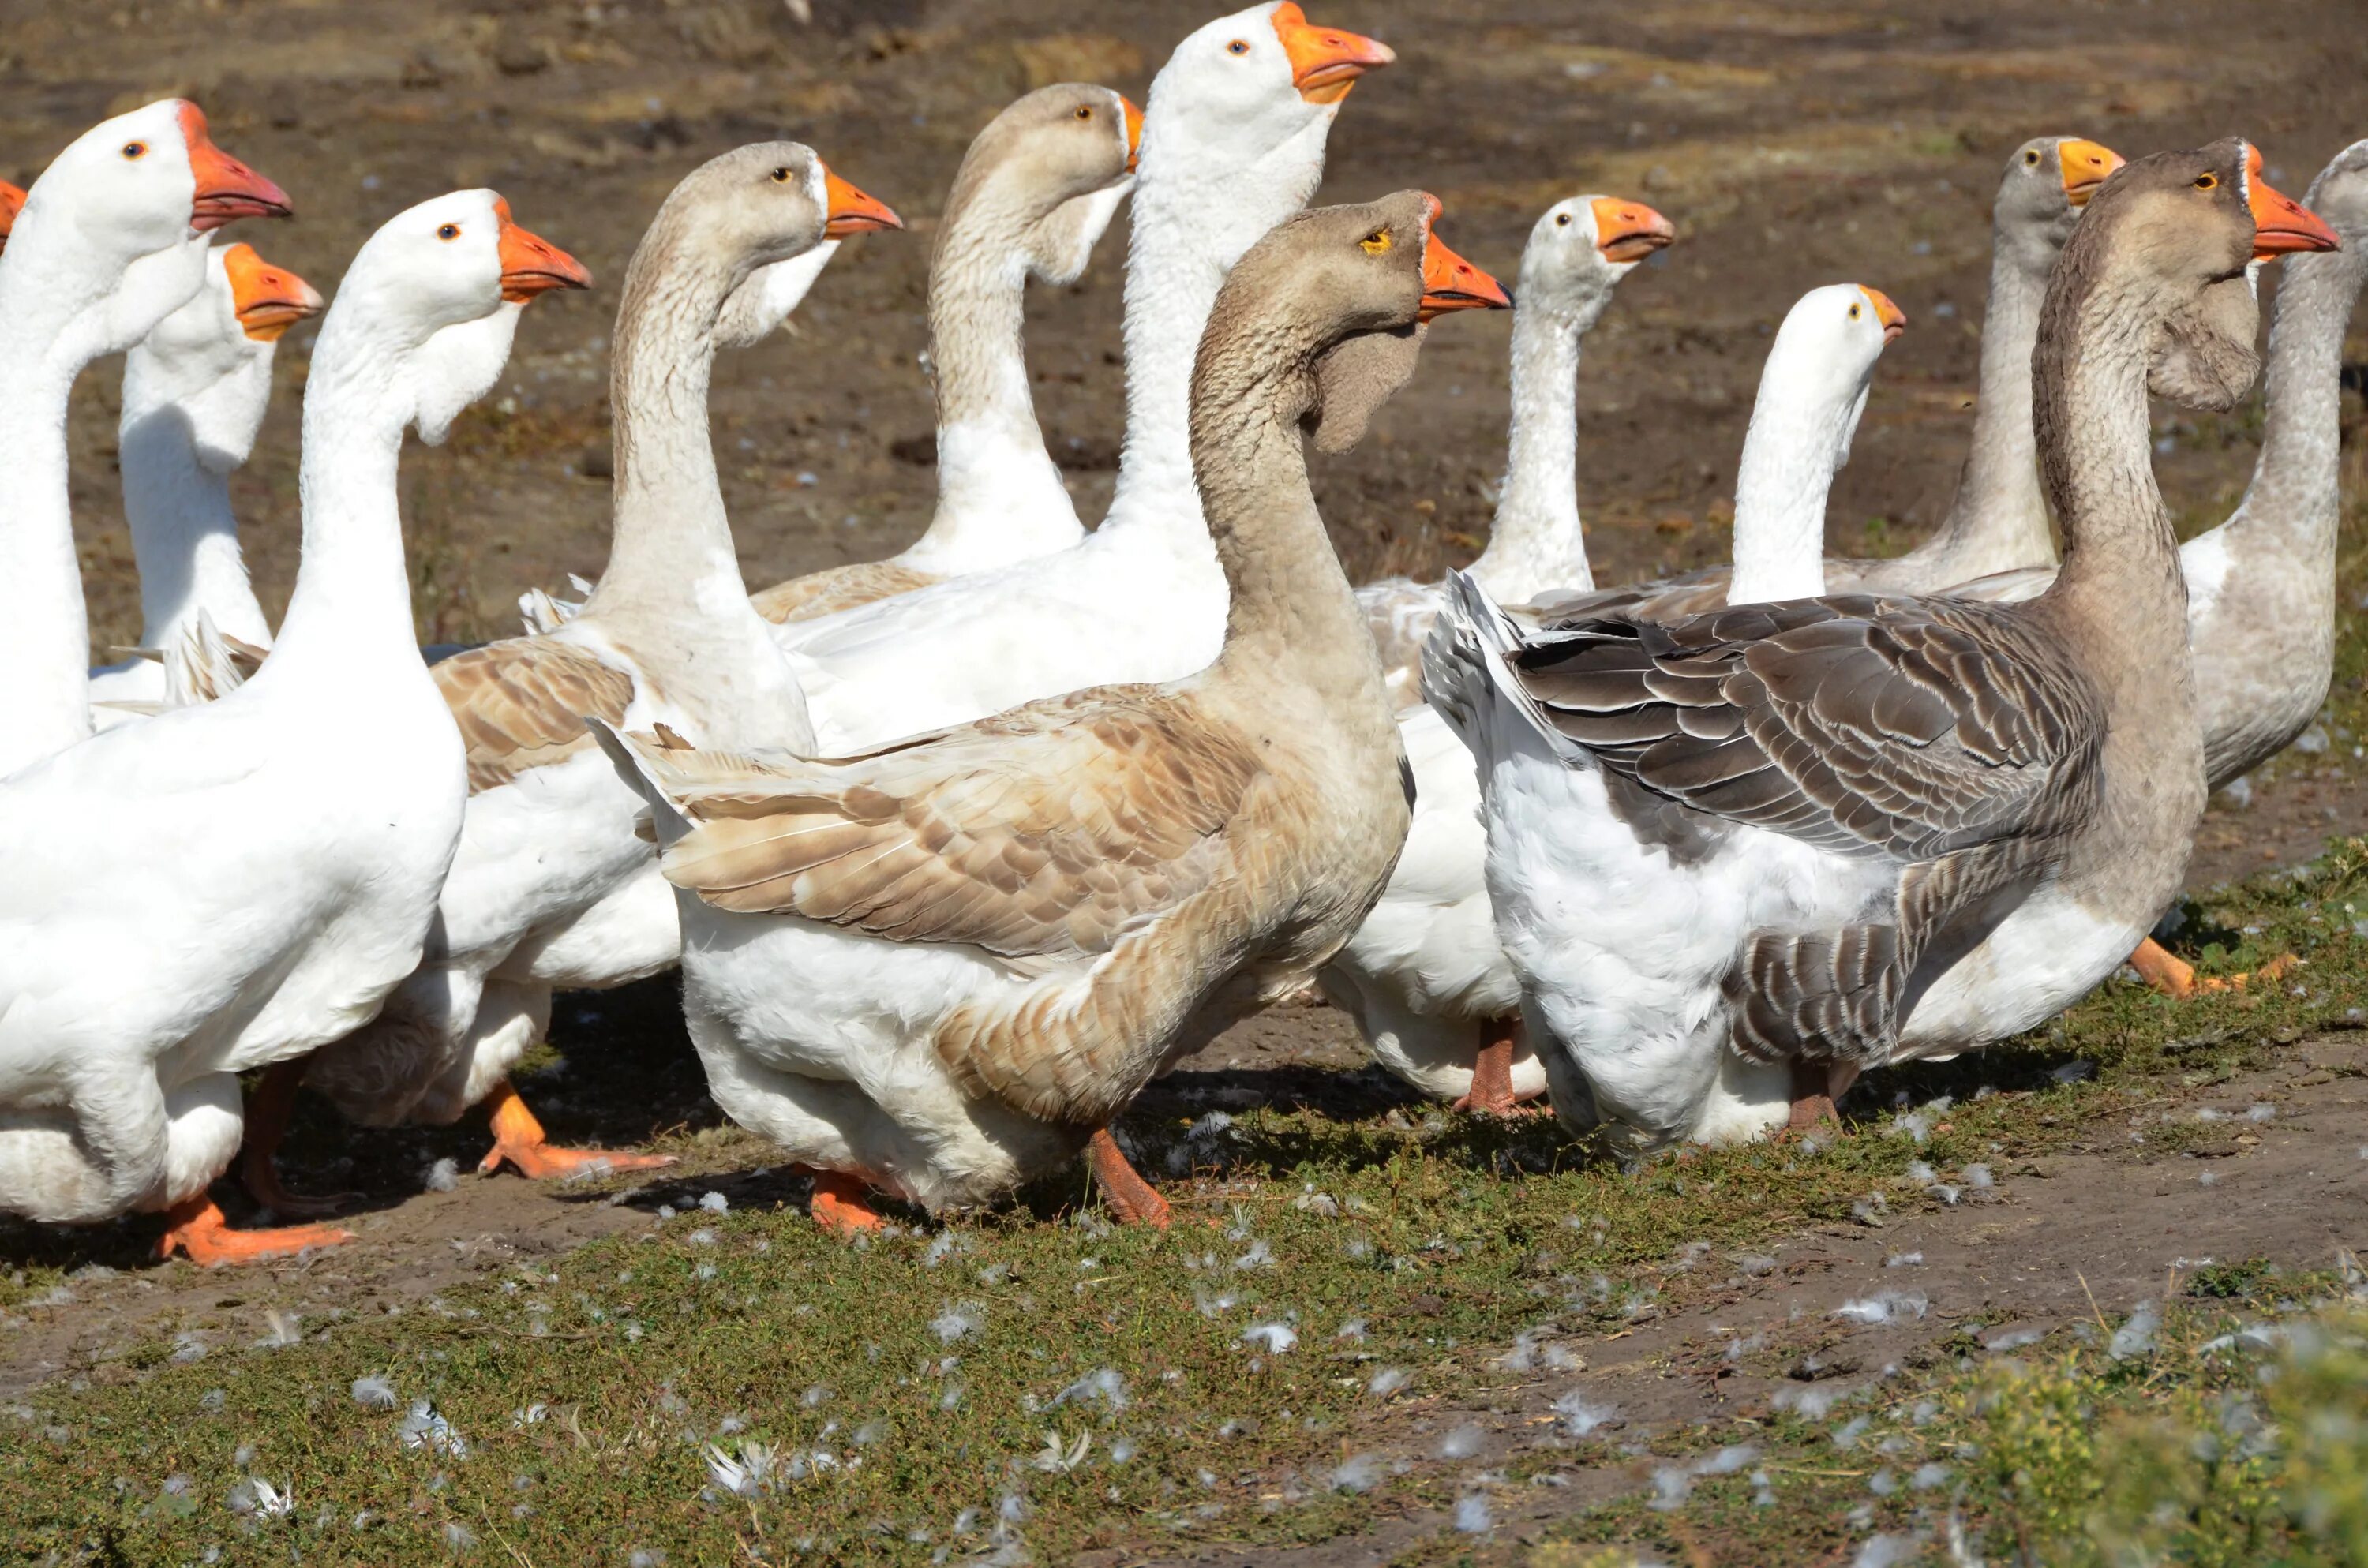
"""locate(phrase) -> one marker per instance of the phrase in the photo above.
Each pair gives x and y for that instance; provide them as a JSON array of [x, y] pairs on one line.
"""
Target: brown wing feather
[[1049, 831], [836, 588], [521, 704]]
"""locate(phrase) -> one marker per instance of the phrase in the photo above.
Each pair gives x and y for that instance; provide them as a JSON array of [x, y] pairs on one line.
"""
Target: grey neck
[[2291, 504], [1998, 520]]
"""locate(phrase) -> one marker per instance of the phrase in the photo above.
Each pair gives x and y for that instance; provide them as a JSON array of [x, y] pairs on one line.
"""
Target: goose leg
[[519, 1140], [1491, 1093], [2177, 979], [194, 1227], [842, 1204], [269, 1110], [1130, 1197], [1816, 1088]]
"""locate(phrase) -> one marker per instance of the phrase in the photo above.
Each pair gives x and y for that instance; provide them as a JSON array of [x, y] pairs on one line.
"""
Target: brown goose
[[1740, 856], [938, 969]]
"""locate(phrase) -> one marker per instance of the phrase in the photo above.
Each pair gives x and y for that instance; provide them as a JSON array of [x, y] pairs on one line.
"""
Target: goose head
[[459, 262], [1822, 363], [1340, 295], [2047, 183], [108, 241], [210, 360], [2339, 194], [1244, 86], [2171, 243], [773, 214], [1581, 247], [1060, 160]]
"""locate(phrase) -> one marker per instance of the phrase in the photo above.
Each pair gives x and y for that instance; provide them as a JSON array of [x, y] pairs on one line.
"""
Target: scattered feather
[[714, 1202], [1274, 1339], [1472, 1516], [1463, 1442], [1581, 1416], [444, 1175], [957, 1322], [1387, 1381], [1104, 1384], [1903, 1260], [424, 1428], [1360, 1473], [374, 1393], [2135, 1336], [1885, 1306], [1055, 1460]]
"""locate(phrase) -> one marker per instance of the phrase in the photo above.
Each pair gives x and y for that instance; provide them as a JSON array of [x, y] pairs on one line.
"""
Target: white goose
[[1738, 856], [287, 840], [551, 885], [940, 969], [109, 242], [1233, 142], [1427, 976], [1033, 194], [195, 390]]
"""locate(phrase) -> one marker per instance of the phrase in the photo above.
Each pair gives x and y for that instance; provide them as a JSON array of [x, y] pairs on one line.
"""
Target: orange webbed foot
[[1492, 1092], [1134, 1200], [2177, 979], [842, 1205], [194, 1229], [520, 1144]]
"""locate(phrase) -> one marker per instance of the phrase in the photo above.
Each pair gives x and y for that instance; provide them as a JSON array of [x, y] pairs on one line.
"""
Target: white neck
[[183, 534], [999, 496], [44, 631], [351, 607], [1190, 225], [1535, 545], [1789, 456]]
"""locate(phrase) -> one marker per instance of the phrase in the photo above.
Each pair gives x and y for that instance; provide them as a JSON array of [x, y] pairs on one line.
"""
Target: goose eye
[[1239, 46], [449, 232], [134, 151], [1854, 311], [1084, 112], [1562, 220], [1376, 242], [2031, 158], [2207, 182], [781, 176]]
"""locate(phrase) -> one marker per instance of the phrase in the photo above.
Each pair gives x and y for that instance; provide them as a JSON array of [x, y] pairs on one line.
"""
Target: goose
[[939, 969], [2260, 587], [1034, 192], [1577, 252], [1233, 142], [1998, 518], [287, 841], [1429, 983], [12, 198], [550, 885], [194, 393], [1738, 857], [109, 240]]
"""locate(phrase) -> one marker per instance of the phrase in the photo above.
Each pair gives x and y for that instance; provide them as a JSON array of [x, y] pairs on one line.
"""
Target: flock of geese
[[956, 850]]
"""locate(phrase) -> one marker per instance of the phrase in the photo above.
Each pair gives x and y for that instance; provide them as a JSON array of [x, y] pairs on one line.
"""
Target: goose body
[[1739, 856], [1034, 193], [936, 968], [288, 839], [1233, 142], [551, 885], [108, 243]]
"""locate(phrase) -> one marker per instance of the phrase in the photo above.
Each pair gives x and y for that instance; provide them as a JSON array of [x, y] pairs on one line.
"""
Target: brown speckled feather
[[826, 592], [521, 704]]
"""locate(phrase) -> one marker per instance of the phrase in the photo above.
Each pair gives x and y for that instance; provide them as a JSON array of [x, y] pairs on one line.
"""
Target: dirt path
[[2098, 1227]]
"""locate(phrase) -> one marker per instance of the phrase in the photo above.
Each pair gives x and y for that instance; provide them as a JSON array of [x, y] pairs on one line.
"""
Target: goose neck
[[44, 630], [183, 537], [1536, 544], [1998, 520], [1190, 225], [1790, 454], [2295, 485], [999, 496]]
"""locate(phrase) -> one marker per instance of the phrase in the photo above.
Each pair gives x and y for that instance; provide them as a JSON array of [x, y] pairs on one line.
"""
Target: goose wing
[[521, 704], [1048, 832]]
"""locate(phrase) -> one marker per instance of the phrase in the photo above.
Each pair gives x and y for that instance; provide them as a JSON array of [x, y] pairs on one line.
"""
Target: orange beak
[[269, 299], [2086, 165], [11, 201], [532, 265], [1629, 231], [2281, 224], [1325, 62], [1133, 132], [227, 189], [1894, 319], [852, 213], [1450, 282]]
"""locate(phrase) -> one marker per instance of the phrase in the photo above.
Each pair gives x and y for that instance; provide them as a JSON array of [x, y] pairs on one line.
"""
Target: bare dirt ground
[[1793, 145]]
